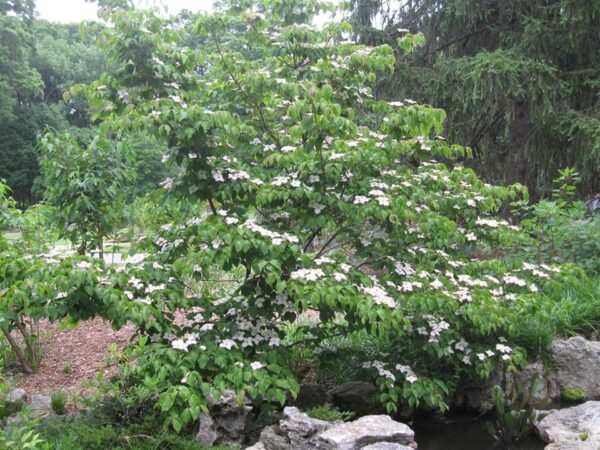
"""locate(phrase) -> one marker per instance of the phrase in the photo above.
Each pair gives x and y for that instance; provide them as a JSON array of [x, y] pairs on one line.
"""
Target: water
[[463, 432]]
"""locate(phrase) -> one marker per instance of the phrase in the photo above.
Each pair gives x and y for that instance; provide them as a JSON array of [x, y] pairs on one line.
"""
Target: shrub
[[573, 394], [330, 413]]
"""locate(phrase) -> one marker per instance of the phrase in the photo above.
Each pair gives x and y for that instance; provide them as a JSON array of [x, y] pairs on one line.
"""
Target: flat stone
[[365, 431], [575, 428]]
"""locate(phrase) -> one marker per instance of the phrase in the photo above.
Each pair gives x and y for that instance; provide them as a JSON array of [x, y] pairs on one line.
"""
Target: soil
[[72, 357]]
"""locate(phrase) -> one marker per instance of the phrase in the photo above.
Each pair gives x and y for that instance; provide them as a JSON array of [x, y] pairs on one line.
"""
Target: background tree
[[517, 78], [39, 62], [84, 185]]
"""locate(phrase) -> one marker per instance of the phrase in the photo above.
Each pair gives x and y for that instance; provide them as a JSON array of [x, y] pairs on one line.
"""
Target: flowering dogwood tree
[[319, 199]]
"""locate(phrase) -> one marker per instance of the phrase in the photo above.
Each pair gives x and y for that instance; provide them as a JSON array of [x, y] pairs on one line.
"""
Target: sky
[[67, 11]]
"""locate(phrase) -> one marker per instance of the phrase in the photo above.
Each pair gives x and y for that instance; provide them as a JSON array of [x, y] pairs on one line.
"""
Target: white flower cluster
[[276, 238], [379, 295], [407, 372], [183, 343], [307, 274], [380, 367], [436, 328], [510, 279]]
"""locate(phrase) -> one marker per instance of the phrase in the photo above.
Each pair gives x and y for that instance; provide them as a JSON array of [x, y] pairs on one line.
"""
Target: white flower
[[383, 201], [231, 220], [179, 344], [323, 260], [437, 284], [83, 265], [256, 365], [339, 277], [61, 295], [168, 183], [228, 344], [471, 236], [361, 199]]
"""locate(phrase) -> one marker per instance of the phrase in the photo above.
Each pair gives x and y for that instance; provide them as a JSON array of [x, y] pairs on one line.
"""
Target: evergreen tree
[[517, 78]]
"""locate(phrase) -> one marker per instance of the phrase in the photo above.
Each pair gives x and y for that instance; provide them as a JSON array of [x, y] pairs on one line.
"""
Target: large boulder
[[359, 397], [576, 428], [226, 422], [577, 366], [297, 431], [366, 431]]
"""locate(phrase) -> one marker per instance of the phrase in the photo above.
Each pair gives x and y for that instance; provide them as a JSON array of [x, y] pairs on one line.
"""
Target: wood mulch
[[72, 357]]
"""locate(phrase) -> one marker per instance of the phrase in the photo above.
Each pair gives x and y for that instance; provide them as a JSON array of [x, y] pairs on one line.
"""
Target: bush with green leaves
[[561, 227], [307, 211]]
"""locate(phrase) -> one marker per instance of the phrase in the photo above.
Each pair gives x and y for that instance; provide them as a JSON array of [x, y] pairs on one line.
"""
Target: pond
[[463, 432]]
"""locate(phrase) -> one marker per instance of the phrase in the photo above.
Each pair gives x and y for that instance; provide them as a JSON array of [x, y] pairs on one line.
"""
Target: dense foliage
[[300, 210], [518, 80]]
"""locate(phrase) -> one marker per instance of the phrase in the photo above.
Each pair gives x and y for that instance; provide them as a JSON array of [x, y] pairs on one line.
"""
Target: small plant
[[573, 394], [22, 435], [68, 368], [330, 413], [59, 402], [516, 414]]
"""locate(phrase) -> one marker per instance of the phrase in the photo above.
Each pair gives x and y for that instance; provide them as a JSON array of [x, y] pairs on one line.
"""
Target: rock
[[477, 396], [577, 366], [386, 446], [257, 446], [577, 427], [357, 396], [41, 406], [295, 431], [207, 430], [17, 396], [225, 423], [365, 431], [310, 396], [540, 392]]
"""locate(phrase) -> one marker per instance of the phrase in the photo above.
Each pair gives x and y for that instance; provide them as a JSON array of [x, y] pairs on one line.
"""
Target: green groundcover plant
[[306, 211]]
